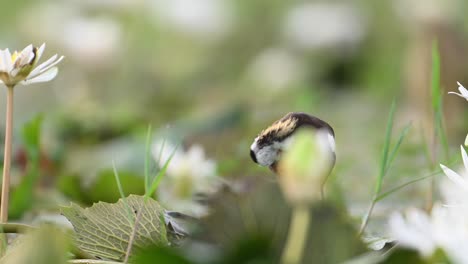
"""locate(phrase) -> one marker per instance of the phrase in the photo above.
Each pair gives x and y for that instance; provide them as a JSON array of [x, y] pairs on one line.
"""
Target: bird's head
[[270, 143]]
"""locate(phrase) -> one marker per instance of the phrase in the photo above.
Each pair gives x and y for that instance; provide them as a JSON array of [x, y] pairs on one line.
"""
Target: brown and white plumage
[[268, 145]]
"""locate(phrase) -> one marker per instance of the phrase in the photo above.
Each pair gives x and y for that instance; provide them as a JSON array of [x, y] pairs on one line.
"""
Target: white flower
[[445, 228], [323, 25], [455, 177], [188, 175], [463, 92], [275, 68], [202, 18], [103, 40], [19, 67]]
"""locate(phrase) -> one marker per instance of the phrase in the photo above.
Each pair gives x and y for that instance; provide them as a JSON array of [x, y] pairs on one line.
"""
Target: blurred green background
[[216, 72]]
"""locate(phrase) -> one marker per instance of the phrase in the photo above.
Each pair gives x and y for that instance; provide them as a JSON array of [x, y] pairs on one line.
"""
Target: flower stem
[[367, 216], [6, 168], [7, 157], [297, 235]]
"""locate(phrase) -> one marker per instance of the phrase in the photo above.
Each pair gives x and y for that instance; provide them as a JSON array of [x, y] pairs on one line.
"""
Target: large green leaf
[[104, 230]]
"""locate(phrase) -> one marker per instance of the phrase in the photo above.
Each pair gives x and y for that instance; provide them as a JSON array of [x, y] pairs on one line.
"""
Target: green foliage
[[46, 245], [148, 158], [409, 256], [104, 230], [404, 256], [22, 197], [158, 177], [257, 224], [155, 254], [252, 248], [70, 186], [436, 96], [105, 188], [388, 155]]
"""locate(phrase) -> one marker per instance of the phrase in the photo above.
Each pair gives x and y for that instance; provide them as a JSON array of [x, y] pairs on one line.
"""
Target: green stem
[[297, 235], [367, 215]]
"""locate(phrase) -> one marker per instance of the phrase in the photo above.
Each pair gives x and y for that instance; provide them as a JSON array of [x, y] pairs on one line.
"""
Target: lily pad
[[104, 230]]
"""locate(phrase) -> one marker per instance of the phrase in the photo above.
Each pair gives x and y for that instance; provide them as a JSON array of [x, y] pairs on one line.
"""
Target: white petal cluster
[[446, 227], [189, 175], [19, 67], [463, 92]]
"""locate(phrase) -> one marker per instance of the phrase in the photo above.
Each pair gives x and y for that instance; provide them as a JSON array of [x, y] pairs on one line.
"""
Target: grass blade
[[117, 180], [392, 190], [383, 166], [121, 191], [161, 173], [147, 158], [436, 94], [386, 147], [435, 77], [401, 137]]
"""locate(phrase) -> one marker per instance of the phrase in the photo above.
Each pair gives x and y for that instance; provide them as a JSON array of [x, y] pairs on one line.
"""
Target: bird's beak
[[252, 155]]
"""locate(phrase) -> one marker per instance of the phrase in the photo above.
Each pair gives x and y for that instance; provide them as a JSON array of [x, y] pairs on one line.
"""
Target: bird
[[267, 147]]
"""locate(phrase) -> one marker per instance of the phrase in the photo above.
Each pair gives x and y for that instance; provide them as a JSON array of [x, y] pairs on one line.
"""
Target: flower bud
[[305, 165]]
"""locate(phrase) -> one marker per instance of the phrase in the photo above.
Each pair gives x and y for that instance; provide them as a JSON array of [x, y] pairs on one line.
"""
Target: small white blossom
[[275, 68], [18, 68], [445, 228], [461, 181], [317, 25], [463, 92], [188, 175], [199, 18]]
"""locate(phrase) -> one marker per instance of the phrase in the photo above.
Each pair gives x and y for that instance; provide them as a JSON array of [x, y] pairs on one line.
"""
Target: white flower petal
[[465, 157], [45, 66], [25, 56], [44, 77], [5, 61], [2, 62], [40, 50], [463, 91], [455, 177]]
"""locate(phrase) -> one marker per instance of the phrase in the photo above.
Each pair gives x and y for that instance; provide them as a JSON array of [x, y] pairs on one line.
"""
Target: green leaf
[[105, 188], [31, 134], [104, 230], [22, 196], [156, 254], [402, 255]]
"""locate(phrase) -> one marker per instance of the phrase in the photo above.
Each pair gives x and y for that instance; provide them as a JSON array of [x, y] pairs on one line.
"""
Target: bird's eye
[[252, 155]]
